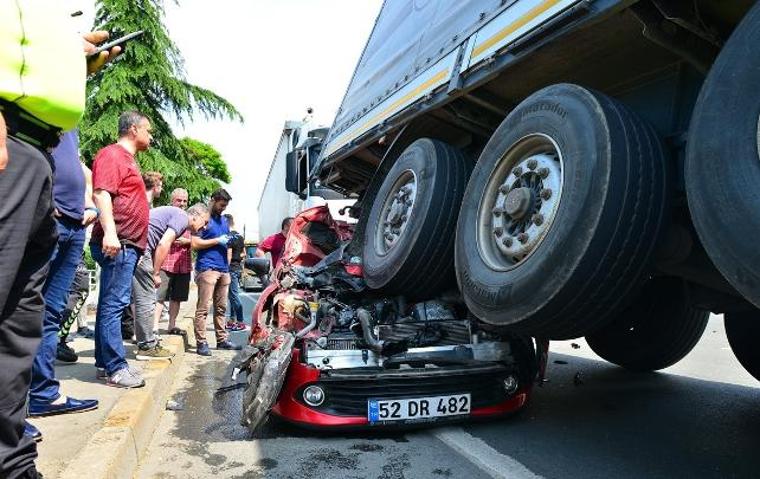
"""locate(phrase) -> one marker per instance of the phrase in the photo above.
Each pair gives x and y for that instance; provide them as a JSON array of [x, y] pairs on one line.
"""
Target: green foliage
[[149, 77]]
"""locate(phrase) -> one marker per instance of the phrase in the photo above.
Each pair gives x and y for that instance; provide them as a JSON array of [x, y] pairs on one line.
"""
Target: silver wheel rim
[[520, 202], [396, 212]]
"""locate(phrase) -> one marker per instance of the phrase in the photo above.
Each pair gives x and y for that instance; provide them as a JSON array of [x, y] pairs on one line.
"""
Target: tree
[[208, 172], [149, 77]]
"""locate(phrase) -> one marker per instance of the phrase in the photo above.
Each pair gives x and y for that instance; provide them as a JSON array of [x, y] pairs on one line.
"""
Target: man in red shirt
[[275, 243], [175, 272], [117, 242]]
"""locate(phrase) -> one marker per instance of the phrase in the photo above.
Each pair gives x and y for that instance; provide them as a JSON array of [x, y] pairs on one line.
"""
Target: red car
[[327, 352]]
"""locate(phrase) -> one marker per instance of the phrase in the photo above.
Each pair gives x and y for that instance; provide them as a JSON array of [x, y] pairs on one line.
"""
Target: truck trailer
[[564, 168]]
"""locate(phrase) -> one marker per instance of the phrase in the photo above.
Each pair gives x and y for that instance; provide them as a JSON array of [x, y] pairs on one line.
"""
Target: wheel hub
[[397, 210], [523, 194]]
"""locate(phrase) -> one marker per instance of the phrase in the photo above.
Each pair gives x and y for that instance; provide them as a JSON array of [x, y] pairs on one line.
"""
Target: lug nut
[[522, 237], [517, 171], [507, 242], [498, 231], [532, 164], [389, 236], [404, 218], [504, 189], [546, 193], [543, 172], [538, 219], [497, 211], [408, 203]]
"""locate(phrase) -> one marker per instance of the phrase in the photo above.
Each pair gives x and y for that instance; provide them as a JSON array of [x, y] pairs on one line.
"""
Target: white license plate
[[384, 410]]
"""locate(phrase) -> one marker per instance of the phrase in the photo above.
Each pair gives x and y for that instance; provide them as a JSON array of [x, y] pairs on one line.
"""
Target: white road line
[[488, 459]]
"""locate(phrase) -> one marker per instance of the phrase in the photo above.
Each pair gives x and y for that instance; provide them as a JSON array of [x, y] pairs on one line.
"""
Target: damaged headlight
[[314, 396], [510, 385]]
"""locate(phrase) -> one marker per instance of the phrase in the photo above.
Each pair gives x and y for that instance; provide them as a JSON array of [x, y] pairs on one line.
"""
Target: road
[[590, 419]]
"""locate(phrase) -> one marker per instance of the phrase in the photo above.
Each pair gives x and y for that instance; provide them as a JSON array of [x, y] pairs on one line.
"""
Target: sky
[[272, 59]]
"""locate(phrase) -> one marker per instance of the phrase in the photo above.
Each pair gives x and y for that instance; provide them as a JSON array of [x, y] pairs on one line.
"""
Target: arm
[[229, 255], [182, 241], [199, 243], [90, 210], [162, 249], [111, 244]]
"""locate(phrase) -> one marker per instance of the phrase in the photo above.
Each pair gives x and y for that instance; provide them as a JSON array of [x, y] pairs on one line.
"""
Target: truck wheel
[[723, 163], [561, 215], [743, 332], [656, 331], [409, 241]]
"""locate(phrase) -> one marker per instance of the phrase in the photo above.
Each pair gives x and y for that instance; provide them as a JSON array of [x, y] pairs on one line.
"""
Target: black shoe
[[31, 431], [71, 405], [66, 354], [228, 345], [203, 349]]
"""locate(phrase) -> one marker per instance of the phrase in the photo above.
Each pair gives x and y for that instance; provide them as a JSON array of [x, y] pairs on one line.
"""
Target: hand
[[56, 213], [157, 279], [222, 240], [3, 147], [182, 241], [89, 217], [91, 41], [111, 245]]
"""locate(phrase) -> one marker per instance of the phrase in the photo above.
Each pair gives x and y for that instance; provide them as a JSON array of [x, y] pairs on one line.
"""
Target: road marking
[[478, 452]]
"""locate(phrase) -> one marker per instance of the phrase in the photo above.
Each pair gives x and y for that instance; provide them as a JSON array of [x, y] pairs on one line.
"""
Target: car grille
[[347, 393]]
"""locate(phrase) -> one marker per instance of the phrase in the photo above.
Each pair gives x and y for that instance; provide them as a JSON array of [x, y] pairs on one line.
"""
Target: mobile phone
[[119, 41]]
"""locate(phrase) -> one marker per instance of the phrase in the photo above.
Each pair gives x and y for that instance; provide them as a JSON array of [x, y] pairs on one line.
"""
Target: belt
[[27, 128]]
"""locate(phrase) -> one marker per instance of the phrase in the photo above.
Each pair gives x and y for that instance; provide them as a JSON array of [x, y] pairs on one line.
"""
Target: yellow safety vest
[[42, 63]]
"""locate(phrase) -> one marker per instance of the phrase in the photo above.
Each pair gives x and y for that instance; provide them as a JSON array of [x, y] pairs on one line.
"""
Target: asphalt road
[[590, 419]]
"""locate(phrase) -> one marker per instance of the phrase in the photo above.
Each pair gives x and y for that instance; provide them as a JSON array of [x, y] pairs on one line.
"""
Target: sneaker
[[71, 405], [228, 345], [126, 378], [239, 326], [156, 352], [230, 326], [65, 353], [203, 349], [85, 332], [100, 373]]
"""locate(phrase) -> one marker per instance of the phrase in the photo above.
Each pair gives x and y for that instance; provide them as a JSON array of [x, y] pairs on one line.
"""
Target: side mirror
[[291, 172]]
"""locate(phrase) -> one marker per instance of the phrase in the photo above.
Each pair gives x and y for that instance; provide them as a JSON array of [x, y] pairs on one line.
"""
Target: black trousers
[[27, 238]]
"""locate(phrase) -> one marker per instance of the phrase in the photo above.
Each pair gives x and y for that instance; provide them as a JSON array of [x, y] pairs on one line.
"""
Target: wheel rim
[[396, 212], [520, 202]]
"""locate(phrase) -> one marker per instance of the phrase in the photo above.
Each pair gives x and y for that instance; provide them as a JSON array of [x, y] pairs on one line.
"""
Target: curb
[[114, 452]]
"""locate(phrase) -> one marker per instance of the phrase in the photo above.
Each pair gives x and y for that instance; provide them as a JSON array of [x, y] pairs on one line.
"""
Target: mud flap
[[266, 374]]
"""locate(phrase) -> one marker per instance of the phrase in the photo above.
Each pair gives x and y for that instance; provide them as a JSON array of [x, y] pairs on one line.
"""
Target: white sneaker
[[126, 378]]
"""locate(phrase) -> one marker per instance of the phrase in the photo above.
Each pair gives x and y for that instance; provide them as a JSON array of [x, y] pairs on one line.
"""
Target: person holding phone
[[42, 73]]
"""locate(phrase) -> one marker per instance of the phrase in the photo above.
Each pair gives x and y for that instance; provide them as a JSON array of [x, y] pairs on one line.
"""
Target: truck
[[299, 146], [562, 168]]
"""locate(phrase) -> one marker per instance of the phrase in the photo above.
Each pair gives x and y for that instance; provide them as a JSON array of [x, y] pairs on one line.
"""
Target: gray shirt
[[162, 219]]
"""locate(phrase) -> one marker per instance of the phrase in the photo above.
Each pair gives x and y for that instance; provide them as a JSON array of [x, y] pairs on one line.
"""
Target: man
[[166, 224], [33, 111], [235, 255], [212, 274], [74, 211], [275, 243], [118, 240], [175, 272], [154, 185]]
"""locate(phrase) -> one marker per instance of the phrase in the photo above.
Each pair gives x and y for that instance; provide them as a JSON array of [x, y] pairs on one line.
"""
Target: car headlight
[[510, 385], [314, 396]]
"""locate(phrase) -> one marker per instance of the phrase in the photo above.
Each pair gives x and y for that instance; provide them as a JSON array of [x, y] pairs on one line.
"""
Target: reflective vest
[[42, 63]]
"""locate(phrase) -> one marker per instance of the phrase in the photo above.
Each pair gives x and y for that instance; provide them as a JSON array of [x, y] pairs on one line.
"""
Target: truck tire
[[409, 240], [561, 214], [656, 331], [743, 332], [723, 160]]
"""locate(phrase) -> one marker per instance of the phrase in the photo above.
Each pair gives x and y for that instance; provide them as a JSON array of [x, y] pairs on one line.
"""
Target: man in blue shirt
[[212, 274]]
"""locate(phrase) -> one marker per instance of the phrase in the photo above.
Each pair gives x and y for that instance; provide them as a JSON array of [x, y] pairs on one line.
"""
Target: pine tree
[[149, 77]]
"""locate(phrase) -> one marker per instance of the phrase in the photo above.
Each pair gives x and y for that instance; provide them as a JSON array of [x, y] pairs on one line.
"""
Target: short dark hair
[[229, 217], [129, 119], [151, 179], [221, 194], [286, 222]]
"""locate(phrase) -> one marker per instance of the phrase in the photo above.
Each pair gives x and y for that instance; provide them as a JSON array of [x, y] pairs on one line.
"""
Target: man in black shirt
[[235, 256]]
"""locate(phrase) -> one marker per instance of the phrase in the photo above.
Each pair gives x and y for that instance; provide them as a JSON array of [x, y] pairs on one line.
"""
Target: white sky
[[271, 59]]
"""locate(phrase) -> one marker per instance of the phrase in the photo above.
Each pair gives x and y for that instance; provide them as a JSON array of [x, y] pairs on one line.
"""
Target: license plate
[[385, 410]]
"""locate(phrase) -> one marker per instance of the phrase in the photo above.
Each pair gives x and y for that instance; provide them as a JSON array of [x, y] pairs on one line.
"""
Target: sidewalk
[[105, 442]]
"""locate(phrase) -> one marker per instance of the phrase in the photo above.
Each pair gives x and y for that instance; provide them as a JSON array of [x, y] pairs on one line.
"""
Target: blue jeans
[[63, 266], [115, 291], [233, 297]]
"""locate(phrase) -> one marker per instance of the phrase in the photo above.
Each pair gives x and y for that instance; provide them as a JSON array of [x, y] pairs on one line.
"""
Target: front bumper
[[349, 390]]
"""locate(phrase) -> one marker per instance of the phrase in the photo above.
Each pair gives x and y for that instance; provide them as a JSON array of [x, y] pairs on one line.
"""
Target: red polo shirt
[[115, 171], [273, 245]]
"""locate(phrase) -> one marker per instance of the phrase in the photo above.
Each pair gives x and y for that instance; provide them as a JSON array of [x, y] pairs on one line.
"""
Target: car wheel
[[743, 332], [723, 160], [561, 214], [409, 240], [656, 331]]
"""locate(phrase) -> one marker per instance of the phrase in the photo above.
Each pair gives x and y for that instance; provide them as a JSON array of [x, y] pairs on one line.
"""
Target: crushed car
[[327, 352]]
